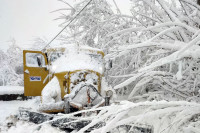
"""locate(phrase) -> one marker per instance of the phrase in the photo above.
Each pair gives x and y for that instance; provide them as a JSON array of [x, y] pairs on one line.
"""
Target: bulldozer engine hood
[[74, 59]]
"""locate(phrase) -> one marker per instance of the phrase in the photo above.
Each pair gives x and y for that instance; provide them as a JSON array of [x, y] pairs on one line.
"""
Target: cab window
[[35, 60], [54, 56]]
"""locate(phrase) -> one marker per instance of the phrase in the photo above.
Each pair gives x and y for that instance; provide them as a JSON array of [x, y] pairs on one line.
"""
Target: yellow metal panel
[[34, 88], [62, 80]]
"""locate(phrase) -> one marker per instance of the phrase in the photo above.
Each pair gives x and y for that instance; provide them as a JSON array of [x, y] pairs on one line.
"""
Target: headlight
[[109, 93]]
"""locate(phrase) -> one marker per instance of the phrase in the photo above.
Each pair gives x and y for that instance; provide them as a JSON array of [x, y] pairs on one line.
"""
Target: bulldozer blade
[[62, 123], [70, 124], [32, 116]]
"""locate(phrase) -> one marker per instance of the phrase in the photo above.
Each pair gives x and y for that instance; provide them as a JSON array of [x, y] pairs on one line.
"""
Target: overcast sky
[[25, 20]]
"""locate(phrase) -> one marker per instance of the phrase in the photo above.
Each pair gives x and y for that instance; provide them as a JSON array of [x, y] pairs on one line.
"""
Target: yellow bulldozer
[[67, 78]]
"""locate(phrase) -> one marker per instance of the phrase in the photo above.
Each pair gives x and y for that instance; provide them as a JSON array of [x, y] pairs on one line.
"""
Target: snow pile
[[74, 59], [11, 90], [8, 110], [91, 79], [51, 93], [83, 76], [51, 96], [51, 106], [11, 107]]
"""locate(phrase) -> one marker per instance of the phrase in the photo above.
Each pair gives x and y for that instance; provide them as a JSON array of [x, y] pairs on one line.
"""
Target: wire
[[67, 25]]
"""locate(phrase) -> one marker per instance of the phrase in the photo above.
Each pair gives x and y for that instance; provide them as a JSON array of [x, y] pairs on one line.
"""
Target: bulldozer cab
[[35, 72]]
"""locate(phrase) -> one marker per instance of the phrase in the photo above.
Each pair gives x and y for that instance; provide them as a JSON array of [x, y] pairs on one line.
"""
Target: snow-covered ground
[[9, 108], [11, 90], [160, 116], [26, 127]]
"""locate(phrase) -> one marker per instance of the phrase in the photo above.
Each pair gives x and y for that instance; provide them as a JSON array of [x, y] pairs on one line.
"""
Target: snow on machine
[[67, 78]]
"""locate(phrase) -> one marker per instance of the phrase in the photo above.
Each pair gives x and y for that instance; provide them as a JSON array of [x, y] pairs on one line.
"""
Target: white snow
[[104, 87], [26, 127], [11, 90], [128, 81], [91, 78], [51, 106], [51, 93], [79, 95], [74, 59], [179, 75], [85, 47], [161, 117], [69, 46], [11, 107], [51, 96]]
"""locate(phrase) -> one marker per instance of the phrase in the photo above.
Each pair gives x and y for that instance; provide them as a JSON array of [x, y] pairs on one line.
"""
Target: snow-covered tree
[[93, 24], [38, 43], [154, 51], [11, 72], [165, 59]]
